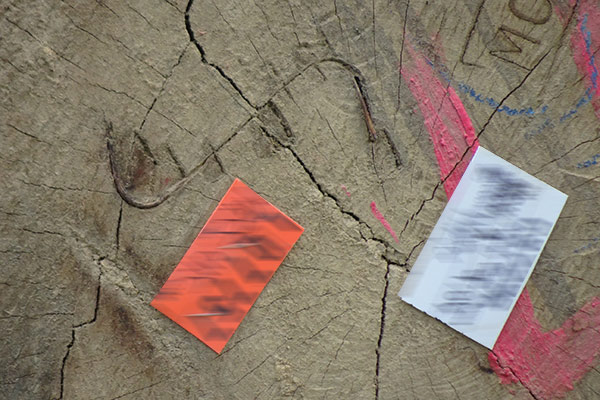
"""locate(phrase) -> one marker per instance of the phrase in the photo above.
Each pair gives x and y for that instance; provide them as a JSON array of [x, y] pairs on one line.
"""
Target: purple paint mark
[[377, 214]]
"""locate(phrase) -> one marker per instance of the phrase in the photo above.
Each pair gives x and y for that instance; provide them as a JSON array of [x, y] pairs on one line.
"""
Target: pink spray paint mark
[[346, 190], [445, 118], [383, 221], [584, 36], [582, 40], [546, 363]]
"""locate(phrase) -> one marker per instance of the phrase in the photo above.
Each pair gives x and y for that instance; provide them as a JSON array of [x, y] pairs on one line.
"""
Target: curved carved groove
[[365, 102], [358, 81], [151, 202], [144, 204]]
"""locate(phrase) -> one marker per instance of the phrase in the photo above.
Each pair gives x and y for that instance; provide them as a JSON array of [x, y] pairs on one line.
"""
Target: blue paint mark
[[481, 98], [587, 246], [548, 123], [587, 37], [587, 97], [589, 163]]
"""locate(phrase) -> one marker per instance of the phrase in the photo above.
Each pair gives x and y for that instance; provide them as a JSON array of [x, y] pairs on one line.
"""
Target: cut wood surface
[[124, 123]]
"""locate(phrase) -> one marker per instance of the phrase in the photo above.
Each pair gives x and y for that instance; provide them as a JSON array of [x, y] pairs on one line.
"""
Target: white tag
[[483, 248]]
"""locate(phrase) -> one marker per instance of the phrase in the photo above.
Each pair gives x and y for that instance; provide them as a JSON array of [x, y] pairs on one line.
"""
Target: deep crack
[[78, 326], [190, 32], [423, 204], [475, 141], [381, 329], [355, 217], [320, 187], [64, 363], [569, 151], [118, 230], [412, 250]]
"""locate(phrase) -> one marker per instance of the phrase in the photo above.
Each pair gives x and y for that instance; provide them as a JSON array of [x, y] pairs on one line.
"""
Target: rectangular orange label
[[227, 266]]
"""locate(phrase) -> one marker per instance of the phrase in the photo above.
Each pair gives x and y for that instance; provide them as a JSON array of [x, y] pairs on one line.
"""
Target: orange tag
[[227, 266]]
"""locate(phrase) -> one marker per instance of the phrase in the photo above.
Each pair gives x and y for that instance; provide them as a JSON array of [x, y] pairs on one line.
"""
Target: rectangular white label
[[483, 248]]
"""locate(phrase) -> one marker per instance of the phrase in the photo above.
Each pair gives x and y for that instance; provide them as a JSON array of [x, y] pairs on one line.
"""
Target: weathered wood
[[123, 124]]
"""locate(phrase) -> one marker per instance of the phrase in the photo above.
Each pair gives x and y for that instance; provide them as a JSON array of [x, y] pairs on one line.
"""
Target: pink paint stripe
[[444, 116], [585, 38], [547, 363], [383, 221], [345, 189]]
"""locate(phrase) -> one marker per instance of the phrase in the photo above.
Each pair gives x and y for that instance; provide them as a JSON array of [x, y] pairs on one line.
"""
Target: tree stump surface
[[124, 123]]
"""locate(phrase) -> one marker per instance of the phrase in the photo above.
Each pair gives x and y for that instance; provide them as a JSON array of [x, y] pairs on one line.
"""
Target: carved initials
[[529, 18], [511, 47]]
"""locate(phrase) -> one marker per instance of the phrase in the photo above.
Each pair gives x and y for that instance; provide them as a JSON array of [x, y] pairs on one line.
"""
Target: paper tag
[[483, 249], [227, 266]]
